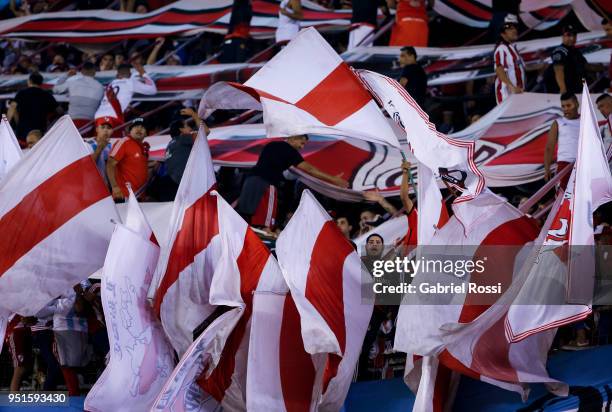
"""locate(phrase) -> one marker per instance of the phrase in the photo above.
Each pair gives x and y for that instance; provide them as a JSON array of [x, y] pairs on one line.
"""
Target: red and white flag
[[567, 257], [10, 152], [186, 263], [56, 218], [324, 275], [217, 359], [437, 326], [141, 358], [450, 159], [308, 88]]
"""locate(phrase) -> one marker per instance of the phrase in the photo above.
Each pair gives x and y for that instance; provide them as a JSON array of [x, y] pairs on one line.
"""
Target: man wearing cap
[[101, 144], [128, 161], [119, 92], [568, 67], [508, 64]]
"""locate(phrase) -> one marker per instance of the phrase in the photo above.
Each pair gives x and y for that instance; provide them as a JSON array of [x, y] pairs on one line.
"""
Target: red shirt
[[411, 9], [132, 164]]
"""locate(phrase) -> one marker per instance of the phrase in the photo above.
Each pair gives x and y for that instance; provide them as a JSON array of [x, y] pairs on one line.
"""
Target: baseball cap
[[510, 21], [104, 120], [569, 29], [139, 121]]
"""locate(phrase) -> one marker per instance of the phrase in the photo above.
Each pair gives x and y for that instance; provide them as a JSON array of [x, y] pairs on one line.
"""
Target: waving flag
[[243, 264], [307, 88], [186, 264], [141, 359], [567, 253], [182, 18], [55, 214], [10, 152], [323, 273]]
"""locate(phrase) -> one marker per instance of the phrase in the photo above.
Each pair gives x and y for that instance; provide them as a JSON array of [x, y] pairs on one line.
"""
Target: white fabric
[[295, 248], [507, 56], [287, 27], [141, 359], [10, 152], [186, 305], [75, 249], [297, 70], [124, 90], [567, 143], [431, 148], [362, 35]]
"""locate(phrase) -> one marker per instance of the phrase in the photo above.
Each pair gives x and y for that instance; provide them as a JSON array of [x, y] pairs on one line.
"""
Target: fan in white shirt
[[119, 93], [508, 64]]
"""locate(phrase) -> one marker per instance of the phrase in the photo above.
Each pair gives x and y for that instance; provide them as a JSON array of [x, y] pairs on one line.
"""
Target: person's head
[[104, 128], [35, 80], [509, 31], [33, 137], [107, 62], [607, 26], [136, 59], [181, 127], [344, 225], [88, 69], [298, 141], [569, 36], [604, 104], [119, 59], [141, 8], [569, 105], [366, 216], [124, 71], [173, 60], [58, 60], [375, 245], [137, 129], [408, 55]]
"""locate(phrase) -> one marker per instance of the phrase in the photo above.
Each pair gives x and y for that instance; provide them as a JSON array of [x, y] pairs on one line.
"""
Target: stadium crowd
[[68, 342]]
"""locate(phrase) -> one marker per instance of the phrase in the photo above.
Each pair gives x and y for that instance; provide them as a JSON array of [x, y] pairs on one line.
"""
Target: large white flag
[[56, 218], [141, 359], [186, 262], [307, 88], [324, 275], [10, 154], [214, 366]]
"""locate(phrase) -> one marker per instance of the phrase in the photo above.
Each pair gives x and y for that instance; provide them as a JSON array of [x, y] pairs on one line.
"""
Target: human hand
[[339, 181], [373, 196], [117, 193]]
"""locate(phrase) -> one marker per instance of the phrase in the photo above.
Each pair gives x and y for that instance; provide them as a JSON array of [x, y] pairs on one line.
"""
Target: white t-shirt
[[287, 28], [124, 90], [567, 143]]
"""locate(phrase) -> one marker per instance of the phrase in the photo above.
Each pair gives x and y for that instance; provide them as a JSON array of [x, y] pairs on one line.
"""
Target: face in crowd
[[570, 107], [344, 226], [569, 39], [374, 246], [605, 106], [138, 132], [104, 131], [297, 142]]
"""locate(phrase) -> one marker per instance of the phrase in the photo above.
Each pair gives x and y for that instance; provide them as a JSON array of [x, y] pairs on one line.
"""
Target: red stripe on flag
[[441, 388], [200, 225], [499, 266], [491, 354], [337, 97], [297, 372], [251, 263], [324, 287], [49, 206]]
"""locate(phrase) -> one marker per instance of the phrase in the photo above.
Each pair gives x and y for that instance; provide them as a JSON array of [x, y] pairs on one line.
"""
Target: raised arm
[[314, 171], [405, 187], [551, 143]]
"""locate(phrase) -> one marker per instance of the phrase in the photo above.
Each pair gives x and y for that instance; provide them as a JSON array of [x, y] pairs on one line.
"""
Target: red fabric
[[72, 382], [411, 9], [564, 179], [112, 99], [132, 166], [265, 214], [410, 240], [20, 346], [410, 31], [80, 122]]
